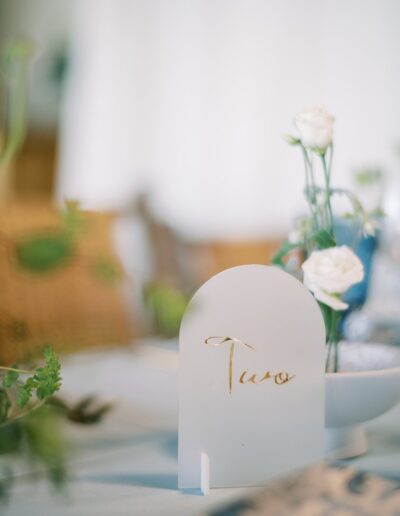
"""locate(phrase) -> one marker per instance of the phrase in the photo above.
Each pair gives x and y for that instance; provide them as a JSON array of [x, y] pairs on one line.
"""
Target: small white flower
[[294, 237], [298, 234], [315, 127], [370, 227], [330, 272]]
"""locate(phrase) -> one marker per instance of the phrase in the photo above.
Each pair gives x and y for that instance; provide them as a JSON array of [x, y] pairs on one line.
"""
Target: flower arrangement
[[328, 270]]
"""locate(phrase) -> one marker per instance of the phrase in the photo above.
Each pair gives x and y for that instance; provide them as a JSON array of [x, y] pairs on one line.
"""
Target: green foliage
[[32, 433], [26, 392], [46, 251], [87, 411], [324, 239], [46, 445], [38, 438], [13, 72], [44, 381], [167, 306], [5, 405], [43, 252], [282, 252], [106, 270], [291, 140], [368, 176], [11, 377], [378, 213], [73, 220], [10, 437]]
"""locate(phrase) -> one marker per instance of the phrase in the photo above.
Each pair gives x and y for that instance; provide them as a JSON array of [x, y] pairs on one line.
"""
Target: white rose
[[315, 127], [330, 272]]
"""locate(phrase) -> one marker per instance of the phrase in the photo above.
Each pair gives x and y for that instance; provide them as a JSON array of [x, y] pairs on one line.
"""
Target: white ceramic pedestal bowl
[[367, 386]]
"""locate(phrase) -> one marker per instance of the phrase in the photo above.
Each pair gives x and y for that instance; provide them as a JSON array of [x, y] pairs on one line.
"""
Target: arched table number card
[[251, 379]]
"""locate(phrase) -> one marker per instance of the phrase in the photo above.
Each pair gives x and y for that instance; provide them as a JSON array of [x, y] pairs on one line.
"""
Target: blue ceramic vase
[[347, 233]]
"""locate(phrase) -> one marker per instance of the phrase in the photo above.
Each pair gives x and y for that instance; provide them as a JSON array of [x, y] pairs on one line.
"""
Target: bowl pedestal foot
[[345, 442]]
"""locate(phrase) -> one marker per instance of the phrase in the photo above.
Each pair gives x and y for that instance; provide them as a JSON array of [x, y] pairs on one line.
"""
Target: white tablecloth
[[127, 465]]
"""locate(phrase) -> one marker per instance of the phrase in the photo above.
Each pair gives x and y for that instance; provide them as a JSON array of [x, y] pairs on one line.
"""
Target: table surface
[[127, 464]]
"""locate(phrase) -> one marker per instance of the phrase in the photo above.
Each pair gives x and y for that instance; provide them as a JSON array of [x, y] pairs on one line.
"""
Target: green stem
[[310, 188], [334, 338], [17, 106], [332, 319], [328, 355], [336, 363], [330, 159], [327, 193], [24, 413], [20, 371]]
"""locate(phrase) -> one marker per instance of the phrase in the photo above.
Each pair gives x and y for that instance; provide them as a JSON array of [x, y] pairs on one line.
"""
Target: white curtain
[[190, 98]]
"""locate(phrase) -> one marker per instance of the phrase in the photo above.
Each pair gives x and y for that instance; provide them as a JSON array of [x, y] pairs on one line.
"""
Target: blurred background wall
[[188, 101]]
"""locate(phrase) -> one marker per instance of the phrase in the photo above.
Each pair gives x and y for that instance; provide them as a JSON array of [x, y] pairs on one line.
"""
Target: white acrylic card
[[251, 386]]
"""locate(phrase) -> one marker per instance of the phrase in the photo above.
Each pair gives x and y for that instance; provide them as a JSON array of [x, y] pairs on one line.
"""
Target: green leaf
[[5, 405], [166, 305], [368, 176], [291, 140], [327, 313], [44, 252], [283, 251], [324, 239], [43, 436], [10, 438], [105, 270], [73, 219], [10, 377], [378, 212]]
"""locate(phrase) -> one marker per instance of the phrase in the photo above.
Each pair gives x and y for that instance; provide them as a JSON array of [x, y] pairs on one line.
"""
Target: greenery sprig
[[43, 381]]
